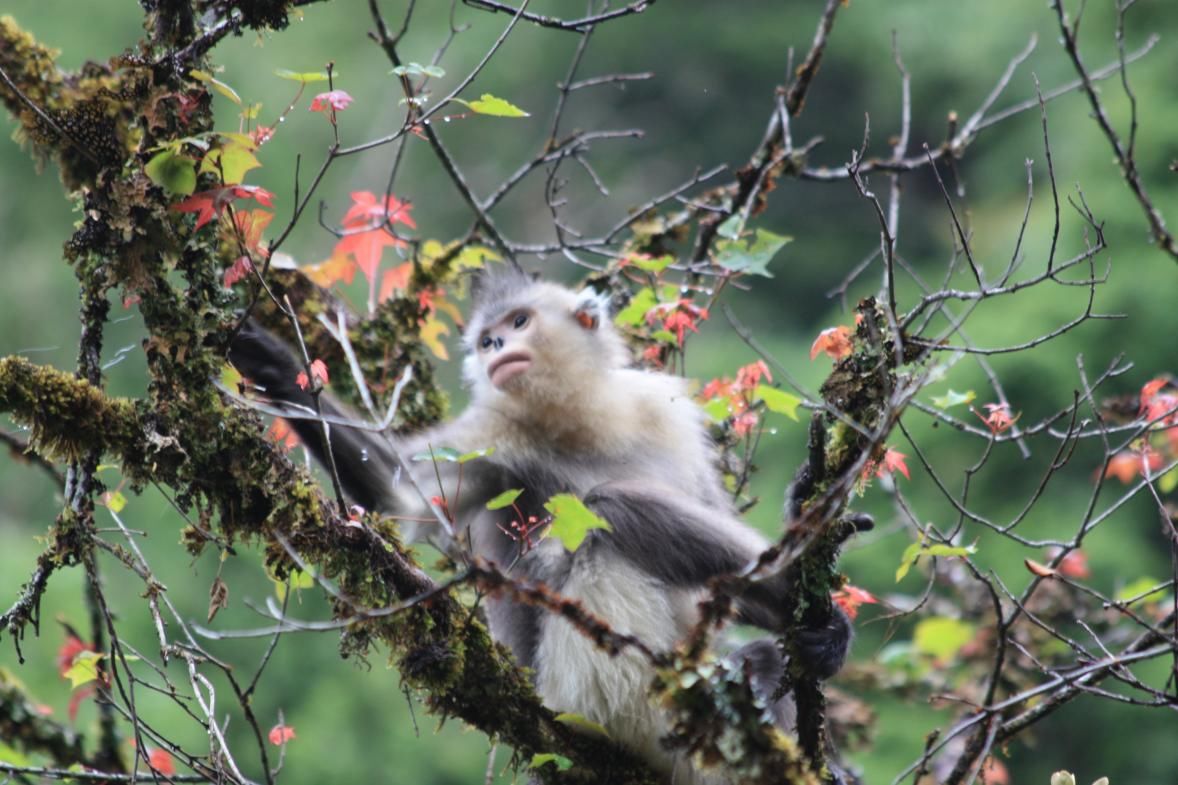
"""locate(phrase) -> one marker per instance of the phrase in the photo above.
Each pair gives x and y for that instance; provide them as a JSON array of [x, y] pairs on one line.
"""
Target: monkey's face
[[504, 348]]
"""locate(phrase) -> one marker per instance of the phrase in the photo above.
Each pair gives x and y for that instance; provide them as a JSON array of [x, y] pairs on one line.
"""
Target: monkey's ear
[[590, 310]]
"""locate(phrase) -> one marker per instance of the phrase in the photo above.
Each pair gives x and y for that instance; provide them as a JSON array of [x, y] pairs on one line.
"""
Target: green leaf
[[216, 84], [914, 551], [572, 520], [634, 313], [473, 257], [1139, 587], [504, 499], [12, 757], [731, 228], [778, 400], [666, 336], [1168, 481], [306, 78], [84, 668], [175, 173], [467, 457], [941, 636], [230, 162], [489, 104], [115, 501], [442, 454], [297, 580], [953, 398], [417, 69], [656, 265], [750, 254], [718, 409], [251, 112], [562, 763], [579, 722]]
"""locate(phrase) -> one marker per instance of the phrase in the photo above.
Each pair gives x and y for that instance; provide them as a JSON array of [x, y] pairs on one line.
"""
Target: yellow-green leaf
[[572, 520], [941, 636], [84, 668], [914, 551], [1135, 589], [10, 756], [305, 78], [417, 69], [115, 501], [562, 763], [175, 173], [489, 104], [778, 401], [216, 84], [656, 265], [466, 457], [953, 398], [579, 722], [431, 335], [505, 499], [230, 163], [633, 314]]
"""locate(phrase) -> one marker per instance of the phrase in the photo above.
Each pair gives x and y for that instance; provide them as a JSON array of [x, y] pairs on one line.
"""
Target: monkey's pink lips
[[507, 367]]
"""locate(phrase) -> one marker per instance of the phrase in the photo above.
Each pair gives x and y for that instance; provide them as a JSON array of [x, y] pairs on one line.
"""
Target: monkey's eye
[[486, 342], [520, 320]]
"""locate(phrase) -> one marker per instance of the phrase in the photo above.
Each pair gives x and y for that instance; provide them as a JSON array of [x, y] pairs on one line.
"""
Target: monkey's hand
[[267, 362], [821, 651]]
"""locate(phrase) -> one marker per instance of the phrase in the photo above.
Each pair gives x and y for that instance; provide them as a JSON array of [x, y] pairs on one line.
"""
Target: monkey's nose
[[498, 343]]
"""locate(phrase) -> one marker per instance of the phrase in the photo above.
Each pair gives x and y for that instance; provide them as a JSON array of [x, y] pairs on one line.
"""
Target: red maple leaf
[[750, 375], [850, 597], [161, 761], [368, 210], [318, 373], [238, 270], [72, 647], [744, 422], [282, 434], [366, 247], [394, 280], [834, 341], [335, 101], [999, 418], [209, 204], [281, 734]]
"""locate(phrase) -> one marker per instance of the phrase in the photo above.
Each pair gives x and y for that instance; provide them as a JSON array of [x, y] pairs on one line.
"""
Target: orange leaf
[[835, 342], [1042, 570], [366, 248], [281, 734], [161, 761], [999, 418], [340, 267], [750, 375], [396, 279]]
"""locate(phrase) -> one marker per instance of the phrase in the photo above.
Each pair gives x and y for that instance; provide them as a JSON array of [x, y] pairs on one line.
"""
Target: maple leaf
[[368, 210], [893, 461], [76, 700], [282, 434], [999, 418], [209, 204], [335, 101], [396, 279], [683, 319], [850, 597], [1075, 565], [318, 373], [161, 761], [238, 270], [340, 267], [250, 225], [261, 134], [744, 422], [366, 248], [1127, 464], [718, 388], [834, 341], [653, 354], [750, 375], [280, 734], [72, 647]]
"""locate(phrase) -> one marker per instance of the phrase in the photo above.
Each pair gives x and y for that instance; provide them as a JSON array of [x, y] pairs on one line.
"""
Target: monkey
[[558, 408]]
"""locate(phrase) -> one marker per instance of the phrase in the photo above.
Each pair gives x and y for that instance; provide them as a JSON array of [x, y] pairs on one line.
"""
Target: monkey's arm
[[366, 461], [685, 544]]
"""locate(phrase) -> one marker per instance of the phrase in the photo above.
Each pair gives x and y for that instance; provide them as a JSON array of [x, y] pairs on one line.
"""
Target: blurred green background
[[716, 66]]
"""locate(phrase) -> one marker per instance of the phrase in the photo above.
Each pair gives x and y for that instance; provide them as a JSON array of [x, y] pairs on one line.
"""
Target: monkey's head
[[533, 341]]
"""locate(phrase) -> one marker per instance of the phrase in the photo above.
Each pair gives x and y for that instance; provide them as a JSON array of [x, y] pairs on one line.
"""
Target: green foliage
[[572, 520]]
